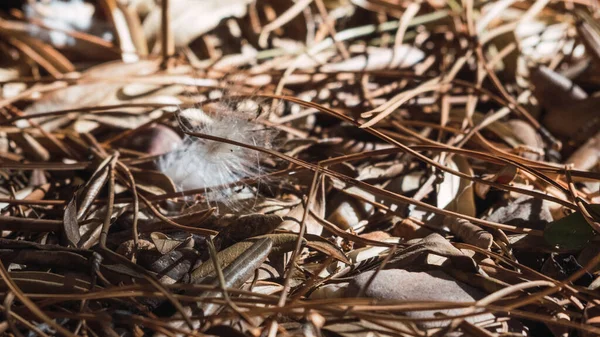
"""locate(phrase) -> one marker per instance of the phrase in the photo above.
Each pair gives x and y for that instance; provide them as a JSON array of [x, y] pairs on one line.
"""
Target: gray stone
[[402, 285]]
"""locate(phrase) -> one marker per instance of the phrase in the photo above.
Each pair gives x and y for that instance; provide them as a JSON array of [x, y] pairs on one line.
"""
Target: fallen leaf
[[71, 225], [573, 231], [165, 244]]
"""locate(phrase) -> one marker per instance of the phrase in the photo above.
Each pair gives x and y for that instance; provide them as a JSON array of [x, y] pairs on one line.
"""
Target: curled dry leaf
[[170, 267], [281, 243], [234, 274], [375, 236], [350, 210], [92, 188], [456, 193], [469, 232], [165, 244], [191, 19], [529, 143], [248, 226], [588, 155], [505, 176], [432, 244], [408, 229], [293, 219], [153, 182], [240, 269], [224, 257], [71, 225]]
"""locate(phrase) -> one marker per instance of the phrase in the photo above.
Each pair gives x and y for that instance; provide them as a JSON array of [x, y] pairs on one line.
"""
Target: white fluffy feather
[[71, 15], [201, 163]]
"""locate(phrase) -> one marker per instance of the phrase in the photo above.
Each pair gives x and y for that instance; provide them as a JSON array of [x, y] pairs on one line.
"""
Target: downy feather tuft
[[202, 163]]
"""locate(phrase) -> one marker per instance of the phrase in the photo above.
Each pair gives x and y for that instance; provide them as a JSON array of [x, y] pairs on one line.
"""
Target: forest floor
[[300, 168]]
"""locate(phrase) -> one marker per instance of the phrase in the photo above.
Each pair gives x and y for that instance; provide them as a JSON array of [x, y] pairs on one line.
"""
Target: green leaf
[[573, 231]]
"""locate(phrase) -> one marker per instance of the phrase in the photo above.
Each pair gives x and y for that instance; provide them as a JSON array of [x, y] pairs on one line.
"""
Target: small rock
[[398, 284]]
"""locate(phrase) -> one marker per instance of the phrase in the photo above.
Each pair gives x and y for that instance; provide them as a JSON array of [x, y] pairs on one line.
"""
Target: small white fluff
[[74, 15], [201, 163]]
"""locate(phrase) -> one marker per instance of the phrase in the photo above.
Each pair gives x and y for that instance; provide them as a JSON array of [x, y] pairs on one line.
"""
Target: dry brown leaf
[[191, 19]]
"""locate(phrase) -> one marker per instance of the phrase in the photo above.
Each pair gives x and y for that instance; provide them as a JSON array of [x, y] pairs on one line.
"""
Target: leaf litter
[[315, 168]]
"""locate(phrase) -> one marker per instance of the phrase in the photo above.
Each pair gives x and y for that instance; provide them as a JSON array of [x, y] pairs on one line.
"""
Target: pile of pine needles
[[359, 136]]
